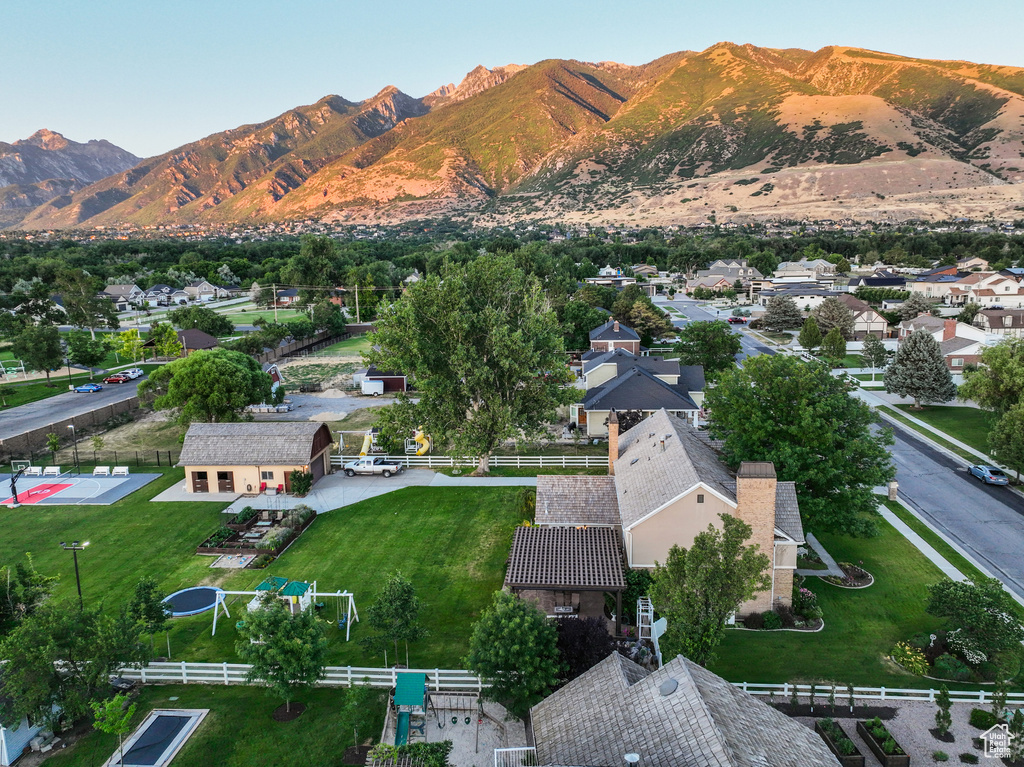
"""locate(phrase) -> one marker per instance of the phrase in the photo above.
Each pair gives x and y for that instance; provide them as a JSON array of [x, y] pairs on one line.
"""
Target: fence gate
[[515, 757]]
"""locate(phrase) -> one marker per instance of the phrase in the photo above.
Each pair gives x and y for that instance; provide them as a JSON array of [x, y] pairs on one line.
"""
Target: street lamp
[[74, 547], [74, 436]]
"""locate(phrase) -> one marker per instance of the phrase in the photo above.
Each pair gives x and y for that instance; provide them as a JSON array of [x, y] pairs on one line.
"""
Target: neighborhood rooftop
[[638, 385], [565, 499]]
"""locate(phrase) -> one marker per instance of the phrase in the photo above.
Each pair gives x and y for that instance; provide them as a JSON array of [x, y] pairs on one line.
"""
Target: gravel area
[[911, 727], [317, 407]]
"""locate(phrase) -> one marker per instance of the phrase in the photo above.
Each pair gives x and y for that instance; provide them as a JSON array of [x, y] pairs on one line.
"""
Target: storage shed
[[393, 382], [253, 457]]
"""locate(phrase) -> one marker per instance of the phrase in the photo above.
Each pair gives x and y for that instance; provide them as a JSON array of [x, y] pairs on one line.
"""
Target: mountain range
[[732, 132]]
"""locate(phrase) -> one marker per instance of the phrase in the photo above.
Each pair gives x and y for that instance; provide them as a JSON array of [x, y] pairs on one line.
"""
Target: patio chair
[[101, 471], [51, 471], [34, 471], [265, 516], [120, 471]]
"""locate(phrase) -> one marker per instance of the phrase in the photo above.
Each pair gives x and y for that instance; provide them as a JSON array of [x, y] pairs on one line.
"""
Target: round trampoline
[[191, 601]]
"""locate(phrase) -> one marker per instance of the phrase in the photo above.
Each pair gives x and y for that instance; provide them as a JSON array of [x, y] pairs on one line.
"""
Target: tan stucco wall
[[244, 476], [677, 524]]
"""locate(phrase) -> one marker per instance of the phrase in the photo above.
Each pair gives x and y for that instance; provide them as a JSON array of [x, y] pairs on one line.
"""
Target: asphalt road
[[42, 413], [693, 312]]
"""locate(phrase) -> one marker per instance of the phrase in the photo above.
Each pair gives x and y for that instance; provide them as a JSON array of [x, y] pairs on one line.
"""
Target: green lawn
[[861, 626], [967, 424], [355, 345], [451, 542], [892, 412], [239, 731], [249, 316]]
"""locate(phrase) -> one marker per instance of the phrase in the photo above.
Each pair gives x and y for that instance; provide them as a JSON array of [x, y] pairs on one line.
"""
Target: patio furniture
[[34, 471], [264, 523], [101, 471], [51, 471], [120, 471], [265, 516]]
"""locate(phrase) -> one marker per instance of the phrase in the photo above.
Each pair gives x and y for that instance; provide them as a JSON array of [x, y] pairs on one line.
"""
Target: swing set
[[310, 598]]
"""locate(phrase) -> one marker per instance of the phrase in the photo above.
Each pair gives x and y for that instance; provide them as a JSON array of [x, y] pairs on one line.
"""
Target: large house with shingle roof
[[961, 344], [681, 714], [666, 484], [253, 457], [612, 335]]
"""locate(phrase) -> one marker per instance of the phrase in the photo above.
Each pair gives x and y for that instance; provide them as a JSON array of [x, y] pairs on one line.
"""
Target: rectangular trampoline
[[160, 736]]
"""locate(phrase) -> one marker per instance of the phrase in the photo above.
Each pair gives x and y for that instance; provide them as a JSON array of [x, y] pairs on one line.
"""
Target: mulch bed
[[856, 577], [839, 712], [355, 755], [282, 714], [947, 738]]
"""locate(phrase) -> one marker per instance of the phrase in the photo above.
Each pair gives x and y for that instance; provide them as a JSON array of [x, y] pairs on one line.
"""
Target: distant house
[[287, 296], [807, 297], [972, 264], [961, 344], [191, 340], [124, 297], [880, 279], [681, 714], [1002, 322], [723, 274], [866, 321], [645, 269], [248, 458], [806, 269], [611, 335]]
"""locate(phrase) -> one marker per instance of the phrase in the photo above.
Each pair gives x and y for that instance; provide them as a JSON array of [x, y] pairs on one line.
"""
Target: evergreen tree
[[914, 306], [919, 370], [943, 719], [833, 313], [781, 313], [810, 335], [833, 346]]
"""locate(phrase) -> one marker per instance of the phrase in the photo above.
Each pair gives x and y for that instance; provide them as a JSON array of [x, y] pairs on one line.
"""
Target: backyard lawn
[[967, 424], [861, 626], [355, 345], [239, 731]]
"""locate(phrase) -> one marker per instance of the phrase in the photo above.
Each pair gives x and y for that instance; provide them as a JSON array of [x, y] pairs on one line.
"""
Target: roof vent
[[668, 687], [634, 461]]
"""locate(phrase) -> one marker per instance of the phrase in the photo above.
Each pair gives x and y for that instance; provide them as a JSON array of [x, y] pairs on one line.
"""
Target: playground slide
[[402, 734], [367, 441], [424, 440]]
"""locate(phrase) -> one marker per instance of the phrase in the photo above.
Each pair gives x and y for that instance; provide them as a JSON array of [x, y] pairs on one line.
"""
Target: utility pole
[[275, 302], [357, 303]]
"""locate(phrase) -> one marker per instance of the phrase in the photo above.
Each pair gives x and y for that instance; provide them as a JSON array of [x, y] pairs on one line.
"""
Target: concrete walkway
[[178, 493], [922, 545], [832, 567]]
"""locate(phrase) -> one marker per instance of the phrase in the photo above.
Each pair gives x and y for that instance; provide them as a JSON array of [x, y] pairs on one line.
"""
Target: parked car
[[990, 475], [737, 320], [370, 465], [116, 379], [133, 373], [88, 388]]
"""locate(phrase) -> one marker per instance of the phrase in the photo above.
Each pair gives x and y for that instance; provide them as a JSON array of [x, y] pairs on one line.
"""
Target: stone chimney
[[613, 442], [755, 505], [615, 327], [948, 329]]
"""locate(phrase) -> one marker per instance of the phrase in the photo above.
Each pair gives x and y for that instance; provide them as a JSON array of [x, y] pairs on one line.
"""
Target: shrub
[[301, 482], [912, 659], [982, 719], [221, 535], [771, 621], [948, 667], [261, 561], [244, 515], [969, 758], [845, 747], [920, 641], [940, 756], [787, 616], [275, 538], [754, 621], [583, 643], [879, 732], [804, 601], [298, 516], [988, 671]]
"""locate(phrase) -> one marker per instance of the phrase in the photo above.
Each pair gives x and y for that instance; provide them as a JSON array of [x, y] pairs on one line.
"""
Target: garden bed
[[839, 743], [231, 539], [855, 577], [882, 744]]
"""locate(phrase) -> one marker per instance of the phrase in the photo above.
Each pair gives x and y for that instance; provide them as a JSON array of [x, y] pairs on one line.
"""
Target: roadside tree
[[710, 344], [86, 350], [919, 370], [1006, 439], [128, 344], [810, 335], [698, 588], [781, 313], [998, 383]]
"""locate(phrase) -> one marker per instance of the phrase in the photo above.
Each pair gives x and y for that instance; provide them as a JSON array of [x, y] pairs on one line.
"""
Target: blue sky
[[151, 75]]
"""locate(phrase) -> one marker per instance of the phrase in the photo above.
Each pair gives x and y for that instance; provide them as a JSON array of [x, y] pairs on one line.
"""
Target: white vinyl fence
[[337, 676], [518, 461], [783, 692]]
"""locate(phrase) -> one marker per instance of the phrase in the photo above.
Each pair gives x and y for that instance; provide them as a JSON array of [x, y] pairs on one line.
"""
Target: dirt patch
[[286, 713]]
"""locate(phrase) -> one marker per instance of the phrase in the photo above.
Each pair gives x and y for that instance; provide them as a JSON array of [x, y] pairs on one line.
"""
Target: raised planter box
[[887, 760], [244, 548], [856, 759]]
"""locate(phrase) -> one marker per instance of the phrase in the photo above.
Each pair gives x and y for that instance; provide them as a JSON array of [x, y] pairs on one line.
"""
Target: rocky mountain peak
[[44, 138], [479, 79]]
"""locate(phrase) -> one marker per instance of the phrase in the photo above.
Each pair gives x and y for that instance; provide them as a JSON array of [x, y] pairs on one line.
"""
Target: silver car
[[990, 475]]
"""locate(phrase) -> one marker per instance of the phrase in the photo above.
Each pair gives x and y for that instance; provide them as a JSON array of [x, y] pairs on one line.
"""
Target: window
[[201, 476], [266, 476], [958, 362], [700, 497]]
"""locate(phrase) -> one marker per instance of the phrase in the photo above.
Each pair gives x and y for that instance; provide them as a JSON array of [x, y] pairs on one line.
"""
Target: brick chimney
[[755, 505], [948, 329], [615, 327], [613, 442]]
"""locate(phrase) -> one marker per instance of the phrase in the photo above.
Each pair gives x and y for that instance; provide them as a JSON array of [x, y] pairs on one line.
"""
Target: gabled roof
[[192, 338], [288, 292], [642, 481], [955, 344], [261, 443], [924, 322], [608, 332], [571, 500], [638, 389], [624, 360], [677, 716]]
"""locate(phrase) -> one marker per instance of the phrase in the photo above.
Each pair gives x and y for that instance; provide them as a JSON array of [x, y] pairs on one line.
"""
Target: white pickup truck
[[370, 465]]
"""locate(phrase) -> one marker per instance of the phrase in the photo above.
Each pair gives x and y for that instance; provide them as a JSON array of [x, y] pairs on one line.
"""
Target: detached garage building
[[253, 457]]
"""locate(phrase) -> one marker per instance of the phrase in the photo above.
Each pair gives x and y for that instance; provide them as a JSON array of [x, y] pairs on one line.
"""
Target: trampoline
[[191, 601], [159, 738]]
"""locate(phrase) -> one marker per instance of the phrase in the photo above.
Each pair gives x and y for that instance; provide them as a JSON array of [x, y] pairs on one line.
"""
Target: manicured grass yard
[[239, 731], [355, 345], [861, 626], [967, 424]]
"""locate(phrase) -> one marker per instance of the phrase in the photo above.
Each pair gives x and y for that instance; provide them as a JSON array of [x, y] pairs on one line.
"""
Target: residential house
[[1002, 322], [124, 297], [936, 284], [972, 264], [609, 271], [612, 335], [882, 278], [667, 484], [14, 740], [620, 381], [160, 295], [191, 340], [722, 275], [204, 290], [680, 714], [806, 269], [866, 321], [961, 344], [645, 269], [807, 297], [998, 291], [287, 296], [249, 458]]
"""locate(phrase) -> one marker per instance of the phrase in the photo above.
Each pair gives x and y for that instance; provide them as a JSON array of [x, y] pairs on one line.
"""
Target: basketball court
[[70, 489]]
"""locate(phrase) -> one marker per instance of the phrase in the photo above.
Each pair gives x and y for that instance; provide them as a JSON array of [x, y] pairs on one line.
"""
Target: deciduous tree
[[698, 588], [919, 370], [165, 340], [514, 649], [810, 335], [998, 383], [394, 616], [710, 344], [39, 348], [781, 313], [583, 643], [833, 347], [78, 292], [147, 607], [209, 386], [1006, 438], [114, 716], [86, 350], [129, 344], [982, 609], [875, 355], [578, 319], [201, 318], [483, 351], [286, 652], [802, 418]]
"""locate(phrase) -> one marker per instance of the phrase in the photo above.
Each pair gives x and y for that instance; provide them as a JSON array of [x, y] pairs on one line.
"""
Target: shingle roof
[[638, 389], [264, 443], [617, 707], [569, 500], [192, 338], [624, 360], [566, 558], [787, 511], [956, 344], [647, 477], [691, 378], [607, 332]]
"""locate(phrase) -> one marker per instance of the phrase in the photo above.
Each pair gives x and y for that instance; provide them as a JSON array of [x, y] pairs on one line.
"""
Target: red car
[[737, 320], [118, 378]]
